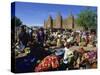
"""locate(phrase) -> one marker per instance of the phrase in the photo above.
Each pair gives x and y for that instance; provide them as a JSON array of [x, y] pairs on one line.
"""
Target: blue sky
[[33, 14]]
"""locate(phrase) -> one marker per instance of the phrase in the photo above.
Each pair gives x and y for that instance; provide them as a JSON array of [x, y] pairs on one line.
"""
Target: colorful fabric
[[92, 56], [49, 62]]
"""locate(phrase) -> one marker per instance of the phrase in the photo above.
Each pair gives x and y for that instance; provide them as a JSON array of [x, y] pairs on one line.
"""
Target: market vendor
[[68, 55]]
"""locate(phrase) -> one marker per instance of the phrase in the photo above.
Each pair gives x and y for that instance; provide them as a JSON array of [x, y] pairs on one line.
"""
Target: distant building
[[60, 23]]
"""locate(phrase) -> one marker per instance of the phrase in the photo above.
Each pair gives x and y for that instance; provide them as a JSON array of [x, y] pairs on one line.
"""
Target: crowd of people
[[58, 49]]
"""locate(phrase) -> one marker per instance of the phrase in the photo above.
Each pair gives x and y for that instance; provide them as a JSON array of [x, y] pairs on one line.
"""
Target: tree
[[16, 21], [87, 19]]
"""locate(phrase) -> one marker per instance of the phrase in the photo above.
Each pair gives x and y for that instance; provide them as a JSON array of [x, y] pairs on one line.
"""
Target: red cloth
[[47, 63]]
